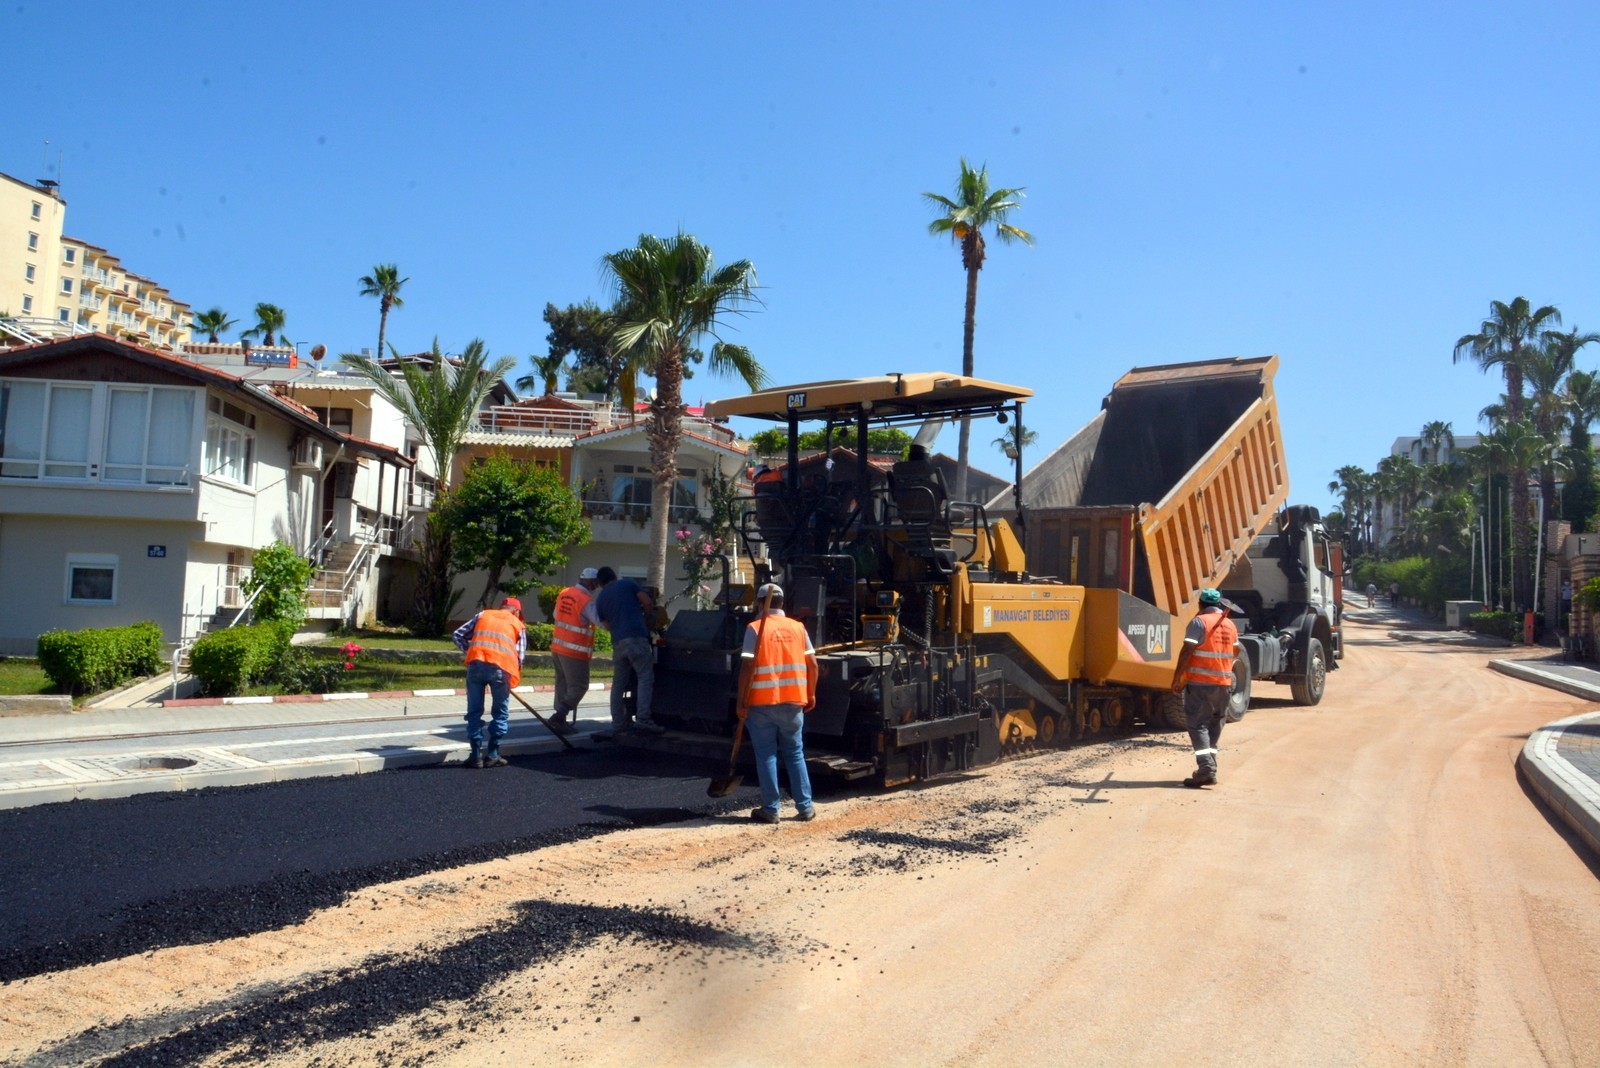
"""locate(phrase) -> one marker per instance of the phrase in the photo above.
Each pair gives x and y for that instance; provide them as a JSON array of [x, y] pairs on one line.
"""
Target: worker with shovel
[[572, 642], [495, 641], [777, 687]]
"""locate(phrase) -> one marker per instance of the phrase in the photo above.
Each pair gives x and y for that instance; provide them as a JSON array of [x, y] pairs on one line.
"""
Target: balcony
[[515, 418]]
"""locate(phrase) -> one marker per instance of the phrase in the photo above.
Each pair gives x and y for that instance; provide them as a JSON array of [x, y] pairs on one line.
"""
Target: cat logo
[[1155, 639], [988, 616], [795, 400]]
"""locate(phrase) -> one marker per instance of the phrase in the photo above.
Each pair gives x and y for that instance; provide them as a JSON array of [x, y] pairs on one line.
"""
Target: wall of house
[[34, 555]]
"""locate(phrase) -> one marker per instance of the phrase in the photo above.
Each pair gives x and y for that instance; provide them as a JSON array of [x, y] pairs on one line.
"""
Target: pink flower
[[348, 666]]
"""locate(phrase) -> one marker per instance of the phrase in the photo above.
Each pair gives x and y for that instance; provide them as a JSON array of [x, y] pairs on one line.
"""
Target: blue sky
[[1347, 186]]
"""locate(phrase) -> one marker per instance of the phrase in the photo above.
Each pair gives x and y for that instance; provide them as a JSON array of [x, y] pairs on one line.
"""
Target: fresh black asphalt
[[89, 881]]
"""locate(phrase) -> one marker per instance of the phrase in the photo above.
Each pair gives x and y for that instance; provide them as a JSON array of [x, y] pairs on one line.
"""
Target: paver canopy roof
[[884, 396]]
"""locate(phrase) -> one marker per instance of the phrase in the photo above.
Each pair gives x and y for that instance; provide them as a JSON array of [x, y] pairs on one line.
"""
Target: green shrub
[[96, 659], [547, 599], [539, 635], [1497, 624], [299, 671], [280, 575], [226, 661]]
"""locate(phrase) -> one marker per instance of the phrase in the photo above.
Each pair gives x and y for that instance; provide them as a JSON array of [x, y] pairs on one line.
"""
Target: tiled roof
[[521, 439]]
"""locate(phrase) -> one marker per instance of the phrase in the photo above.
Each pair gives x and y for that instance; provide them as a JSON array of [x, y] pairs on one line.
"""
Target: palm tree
[[546, 371], [1356, 488], [671, 293], [269, 325], [384, 283], [1436, 436], [441, 401], [1579, 496], [213, 322], [1500, 342], [974, 208], [1015, 439]]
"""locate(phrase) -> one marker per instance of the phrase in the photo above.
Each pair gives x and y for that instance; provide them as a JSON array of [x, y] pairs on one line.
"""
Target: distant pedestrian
[[572, 642], [1394, 594], [1372, 595], [1205, 678], [496, 642], [625, 610], [777, 687]]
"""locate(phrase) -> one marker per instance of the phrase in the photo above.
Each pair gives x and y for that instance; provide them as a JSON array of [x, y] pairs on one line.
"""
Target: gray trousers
[[1205, 710], [633, 665], [572, 682]]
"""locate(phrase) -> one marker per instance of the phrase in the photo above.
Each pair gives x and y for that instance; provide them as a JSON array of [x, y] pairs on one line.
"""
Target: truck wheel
[[1239, 692], [1169, 713], [1307, 687]]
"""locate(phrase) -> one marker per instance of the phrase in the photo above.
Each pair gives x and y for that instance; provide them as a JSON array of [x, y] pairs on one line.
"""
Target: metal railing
[[513, 418]]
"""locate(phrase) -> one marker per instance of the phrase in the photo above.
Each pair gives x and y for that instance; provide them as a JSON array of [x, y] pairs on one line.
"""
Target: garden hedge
[[97, 659], [226, 661]]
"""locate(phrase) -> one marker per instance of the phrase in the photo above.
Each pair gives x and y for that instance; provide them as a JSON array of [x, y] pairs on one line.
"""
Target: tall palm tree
[[1016, 439], [670, 294], [269, 325], [1356, 488], [213, 322], [974, 208], [546, 372], [1501, 342], [440, 401], [384, 283]]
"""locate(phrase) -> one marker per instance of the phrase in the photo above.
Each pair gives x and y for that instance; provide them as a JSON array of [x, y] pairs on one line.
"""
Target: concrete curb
[[1529, 673], [1571, 794], [35, 705], [308, 698]]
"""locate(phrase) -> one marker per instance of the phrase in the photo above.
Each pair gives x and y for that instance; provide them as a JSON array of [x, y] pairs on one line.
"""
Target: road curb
[[1570, 793], [1518, 669], [309, 698]]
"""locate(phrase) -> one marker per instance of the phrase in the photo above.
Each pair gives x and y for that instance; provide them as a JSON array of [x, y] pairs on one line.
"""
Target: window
[[230, 442], [33, 242], [38, 209], [340, 419], [64, 314], [27, 271], [71, 255], [66, 286], [147, 435], [91, 579], [137, 435], [27, 304]]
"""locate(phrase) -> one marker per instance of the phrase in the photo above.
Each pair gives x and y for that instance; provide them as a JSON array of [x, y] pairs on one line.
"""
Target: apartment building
[[53, 285]]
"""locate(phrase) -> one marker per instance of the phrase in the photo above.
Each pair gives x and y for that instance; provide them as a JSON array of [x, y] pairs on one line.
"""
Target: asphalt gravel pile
[[357, 1001]]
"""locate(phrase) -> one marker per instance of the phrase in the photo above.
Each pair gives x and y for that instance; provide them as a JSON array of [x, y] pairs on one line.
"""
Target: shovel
[[730, 782], [541, 719]]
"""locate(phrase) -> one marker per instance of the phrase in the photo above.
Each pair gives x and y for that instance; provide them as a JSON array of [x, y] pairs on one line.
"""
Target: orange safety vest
[[495, 639], [780, 668], [572, 636], [1211, 663]]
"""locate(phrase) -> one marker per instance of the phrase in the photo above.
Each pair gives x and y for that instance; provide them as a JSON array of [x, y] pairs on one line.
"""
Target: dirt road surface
[[1370, 885]]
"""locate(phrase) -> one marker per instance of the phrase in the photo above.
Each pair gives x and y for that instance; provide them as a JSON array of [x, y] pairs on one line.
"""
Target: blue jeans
[[481, 673], [775, 731], [633, 667]]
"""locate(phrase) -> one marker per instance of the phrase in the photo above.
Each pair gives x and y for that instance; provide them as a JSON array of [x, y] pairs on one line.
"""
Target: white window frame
[[64, 315], [66, 286], [91, 562], [33, 242], [38, 210], [234, 440], [70, 254], [96, 433], [27, 272], [27, 303]]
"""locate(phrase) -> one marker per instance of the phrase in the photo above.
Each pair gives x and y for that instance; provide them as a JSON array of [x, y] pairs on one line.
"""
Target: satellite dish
[[318, 352], [928, 432]]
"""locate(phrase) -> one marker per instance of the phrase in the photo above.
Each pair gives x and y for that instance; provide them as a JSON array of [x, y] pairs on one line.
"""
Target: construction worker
[[777, 687], [1205, 678], [626, 610], [572, 642], [495, 641]]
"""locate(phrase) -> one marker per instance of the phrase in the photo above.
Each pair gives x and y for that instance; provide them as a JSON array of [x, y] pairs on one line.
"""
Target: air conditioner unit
[[308, 453]]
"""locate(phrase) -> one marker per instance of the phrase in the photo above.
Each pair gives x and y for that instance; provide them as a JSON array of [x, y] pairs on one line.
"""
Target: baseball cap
[[770, 589], [1209, 596], [511, 604], [588, 573]]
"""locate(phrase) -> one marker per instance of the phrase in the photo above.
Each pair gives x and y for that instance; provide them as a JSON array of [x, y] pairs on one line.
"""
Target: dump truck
[[952, 633]]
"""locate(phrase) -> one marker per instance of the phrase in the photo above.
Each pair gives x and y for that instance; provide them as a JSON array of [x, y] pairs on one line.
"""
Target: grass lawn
[[20, 677], [375, 677], [387, 639]]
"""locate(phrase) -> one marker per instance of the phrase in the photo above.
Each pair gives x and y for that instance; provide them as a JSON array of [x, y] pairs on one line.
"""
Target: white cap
[[770, 589], [588, 573]]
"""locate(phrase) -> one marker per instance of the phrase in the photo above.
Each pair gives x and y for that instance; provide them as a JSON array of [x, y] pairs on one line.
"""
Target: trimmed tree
[[514, 520]]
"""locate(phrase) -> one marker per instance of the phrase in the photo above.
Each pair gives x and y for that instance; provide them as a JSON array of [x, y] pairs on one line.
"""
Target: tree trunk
[[1521, 543], [969, 327], [666, 430]]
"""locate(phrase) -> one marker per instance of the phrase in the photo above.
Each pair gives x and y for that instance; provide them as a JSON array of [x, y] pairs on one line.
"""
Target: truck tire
[[1308, 685], [1239, 692], [1169, 713]]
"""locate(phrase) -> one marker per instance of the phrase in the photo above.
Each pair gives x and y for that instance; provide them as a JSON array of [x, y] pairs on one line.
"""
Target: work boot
[[648, 726], [493, 759], [475, 757], [1201, 778], [761, 815], [559, 725]]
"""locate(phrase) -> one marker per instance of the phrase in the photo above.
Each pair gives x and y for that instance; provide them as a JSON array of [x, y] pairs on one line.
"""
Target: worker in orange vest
[[1205, 678], [572, 642], [777, 687], [495, 641]]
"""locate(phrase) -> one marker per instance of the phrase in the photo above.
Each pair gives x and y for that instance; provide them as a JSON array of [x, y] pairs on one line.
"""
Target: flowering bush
[[300, 672], [700, 563]]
